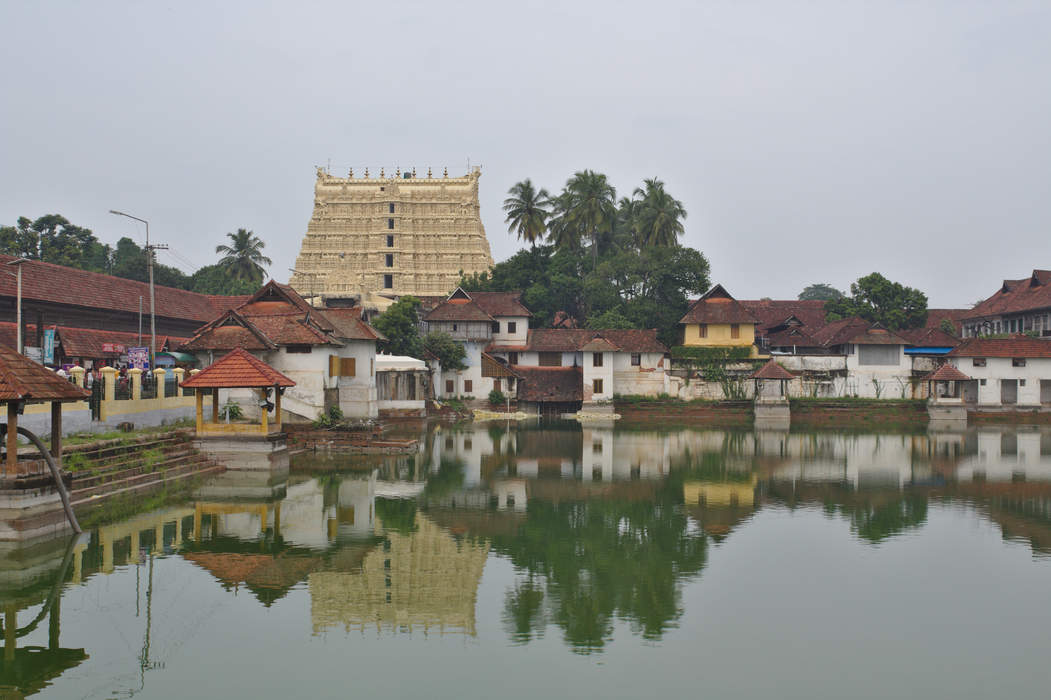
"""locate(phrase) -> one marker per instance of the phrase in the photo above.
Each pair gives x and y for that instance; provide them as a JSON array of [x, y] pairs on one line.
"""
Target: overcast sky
[[808, 141]]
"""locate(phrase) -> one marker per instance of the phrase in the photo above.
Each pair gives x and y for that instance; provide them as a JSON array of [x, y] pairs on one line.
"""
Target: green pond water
[[560, 561]]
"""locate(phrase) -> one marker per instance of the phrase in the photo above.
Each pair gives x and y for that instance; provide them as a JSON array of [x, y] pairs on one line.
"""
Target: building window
[[596, 359], [702, 331], [496, 326], [390, 224], [449, 443], [1021, 382], [388, 281], [449, 386], [982, 382], [636, 359], [455, 327], [879, 354], [468, 385], [297, 349], [390, 260], [735, 330], [596, 385], [390, 241], [496, 385], [596, 448], [512, 359], [512, 326], [510, 383], [550, 359], [392, 207], [1018, 362], [468, 443], [978, 362]]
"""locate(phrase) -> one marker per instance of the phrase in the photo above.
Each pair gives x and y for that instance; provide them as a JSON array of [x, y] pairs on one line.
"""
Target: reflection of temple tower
[[425, 579]]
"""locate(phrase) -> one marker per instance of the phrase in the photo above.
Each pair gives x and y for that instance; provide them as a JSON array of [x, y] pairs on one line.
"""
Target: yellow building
[[719, 320]]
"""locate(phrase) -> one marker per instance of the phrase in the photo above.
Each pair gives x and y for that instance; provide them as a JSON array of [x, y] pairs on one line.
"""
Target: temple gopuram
[[372, 239]]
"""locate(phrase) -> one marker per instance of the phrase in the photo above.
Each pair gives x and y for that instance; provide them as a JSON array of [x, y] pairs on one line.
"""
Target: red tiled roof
[[840, 332], [772, 370], [772, 312], [1016, 296], [947, 373], [87, 342], [458, 310], [577, 339], [930, 337], [796, 336], [1015, 346], [500, 303], [555, 384], [936, 316], [229, 331], [25, 380], [237, 369], [717, 306], [349, 324], [59, 284]]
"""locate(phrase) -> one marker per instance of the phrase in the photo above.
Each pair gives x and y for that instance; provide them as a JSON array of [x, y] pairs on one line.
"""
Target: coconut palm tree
[[591, 205], [562, 228], [658, 215], [526, 213], [243, 259]]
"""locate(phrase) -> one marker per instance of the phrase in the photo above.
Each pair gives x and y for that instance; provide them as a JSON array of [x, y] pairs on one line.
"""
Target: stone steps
[[143, 481], [85, 479]]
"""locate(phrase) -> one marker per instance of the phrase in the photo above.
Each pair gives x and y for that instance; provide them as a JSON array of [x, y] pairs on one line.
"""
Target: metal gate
[[95, 402]]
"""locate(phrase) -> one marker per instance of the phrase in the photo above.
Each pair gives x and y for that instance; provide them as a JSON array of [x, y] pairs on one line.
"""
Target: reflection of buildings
[[425, 579]]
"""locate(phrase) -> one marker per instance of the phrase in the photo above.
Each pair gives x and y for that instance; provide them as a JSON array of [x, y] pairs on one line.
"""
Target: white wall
[[893, 380], [999, 368], [519, 337]]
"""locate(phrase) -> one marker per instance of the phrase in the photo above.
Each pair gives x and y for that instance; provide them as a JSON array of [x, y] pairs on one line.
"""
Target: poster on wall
[[139, 358], [49, 346]]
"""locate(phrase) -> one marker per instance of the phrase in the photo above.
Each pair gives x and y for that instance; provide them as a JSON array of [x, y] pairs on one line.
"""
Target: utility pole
[[149, 267], [18, 305]]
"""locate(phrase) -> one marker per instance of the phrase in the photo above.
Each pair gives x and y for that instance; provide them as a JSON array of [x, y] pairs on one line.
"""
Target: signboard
[[49, 346], [139, 358], [116, 348], [35, 354]]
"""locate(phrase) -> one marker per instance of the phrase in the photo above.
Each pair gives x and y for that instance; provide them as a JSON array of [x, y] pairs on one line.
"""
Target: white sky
[[809, 141]]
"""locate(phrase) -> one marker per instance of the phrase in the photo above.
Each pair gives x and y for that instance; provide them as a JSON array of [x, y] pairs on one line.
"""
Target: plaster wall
[[999, 369]]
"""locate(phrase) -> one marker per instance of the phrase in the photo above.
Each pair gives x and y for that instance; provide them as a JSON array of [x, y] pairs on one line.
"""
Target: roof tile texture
[[1015, 346], [23, 379], [237, 369]]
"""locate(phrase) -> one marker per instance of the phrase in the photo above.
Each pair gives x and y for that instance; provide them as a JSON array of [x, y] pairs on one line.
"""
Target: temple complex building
[[373, 239]]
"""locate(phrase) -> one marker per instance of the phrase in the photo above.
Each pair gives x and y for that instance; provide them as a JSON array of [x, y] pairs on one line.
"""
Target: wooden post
[[136, 383], [266, 417], [11, 467], [277, 409], [200, 411], [215, 405], [10, 631], [56, 431], [197, 519], [159, 375]]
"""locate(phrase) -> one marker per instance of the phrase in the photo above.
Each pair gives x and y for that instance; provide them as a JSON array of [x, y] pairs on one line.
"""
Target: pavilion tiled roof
[[237, 369], [59, 284], [1016, 296], [21, 379], [717, 306], [549, 384], [1015, 346], [772, 370], [947, 373]]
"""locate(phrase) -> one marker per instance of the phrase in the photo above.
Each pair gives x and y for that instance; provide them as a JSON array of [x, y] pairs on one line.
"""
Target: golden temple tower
[[374, 238]]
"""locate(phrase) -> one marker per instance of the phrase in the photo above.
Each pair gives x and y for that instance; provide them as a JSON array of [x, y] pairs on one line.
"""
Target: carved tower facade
[[374, 238]]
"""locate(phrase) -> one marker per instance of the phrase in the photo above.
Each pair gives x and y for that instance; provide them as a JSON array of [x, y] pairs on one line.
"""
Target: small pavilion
[[772, 371], [949, 378], [239, 370], [22, 382]]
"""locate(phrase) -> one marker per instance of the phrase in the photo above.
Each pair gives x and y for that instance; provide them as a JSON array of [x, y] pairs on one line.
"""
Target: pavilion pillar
[[266, 416], [11, 466], [277, 409], [10, 631], [215, 405], [200, 411], [56, 431], [159, 375], [109, 380], [178, 372], [197, 522], [53, 625], [136, 383]]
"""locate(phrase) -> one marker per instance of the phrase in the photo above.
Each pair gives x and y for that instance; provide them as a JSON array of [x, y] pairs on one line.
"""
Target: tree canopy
[[879, 300], [820, 292], [401, 324], [244, 258], [449, 352]]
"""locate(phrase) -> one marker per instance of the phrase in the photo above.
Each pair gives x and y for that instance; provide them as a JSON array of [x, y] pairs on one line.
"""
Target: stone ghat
[[362, 442]]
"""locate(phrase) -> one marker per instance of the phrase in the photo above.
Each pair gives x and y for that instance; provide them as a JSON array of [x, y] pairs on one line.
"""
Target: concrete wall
[[519, 337], [719, 334], [879, 381], [1000, 370]]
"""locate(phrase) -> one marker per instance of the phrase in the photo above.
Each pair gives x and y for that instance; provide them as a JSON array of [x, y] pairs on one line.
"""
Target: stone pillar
[[179, 372], [109, 379], [11, 466], [136, 383], [160, 375], [78, 376]]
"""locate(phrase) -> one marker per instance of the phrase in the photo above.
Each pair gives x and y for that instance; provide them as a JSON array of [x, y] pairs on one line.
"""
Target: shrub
[[231, 410], [329, 418], [497, 398]]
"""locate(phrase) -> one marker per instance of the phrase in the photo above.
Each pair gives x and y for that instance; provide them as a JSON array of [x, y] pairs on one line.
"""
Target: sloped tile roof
[[772, 313], [87, 342], [599, 344], [458, 310], [25, 380], [59, 284], [555, 384], [229, 331], [947, 373], [350, 325], [929, 338], [717, 306], [1015, 346], [237, 369], [634, 339], [1016, 296], [576, 339], [500, 303], [772, 370]]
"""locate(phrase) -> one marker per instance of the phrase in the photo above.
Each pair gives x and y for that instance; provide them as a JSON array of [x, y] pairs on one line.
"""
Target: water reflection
[[603, 530]]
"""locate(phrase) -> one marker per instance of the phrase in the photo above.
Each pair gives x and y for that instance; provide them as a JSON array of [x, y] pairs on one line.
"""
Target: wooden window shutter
[[348, 367], [333, 365]]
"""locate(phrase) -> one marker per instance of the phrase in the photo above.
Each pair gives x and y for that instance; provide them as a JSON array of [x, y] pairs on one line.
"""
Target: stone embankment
[[133, 466], [362, 442]]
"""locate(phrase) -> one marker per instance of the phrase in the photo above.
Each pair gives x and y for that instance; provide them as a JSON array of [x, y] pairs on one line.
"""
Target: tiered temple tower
[[373, 238]]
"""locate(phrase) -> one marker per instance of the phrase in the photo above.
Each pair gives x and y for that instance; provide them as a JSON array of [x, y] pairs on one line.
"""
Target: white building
[[330, 353], [1011, 372]]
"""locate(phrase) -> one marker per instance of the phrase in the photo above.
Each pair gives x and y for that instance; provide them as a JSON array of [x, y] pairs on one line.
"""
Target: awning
[[178, 356]]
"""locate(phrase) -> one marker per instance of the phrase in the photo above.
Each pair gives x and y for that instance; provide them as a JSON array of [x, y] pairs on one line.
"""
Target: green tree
[[449, 352], [947, 326], [658, 216], [129, 262], [526, 212], [820, 292], [879, 300], [213, 279], [52, 238], [587, 211], [401, 324], [244, 258]]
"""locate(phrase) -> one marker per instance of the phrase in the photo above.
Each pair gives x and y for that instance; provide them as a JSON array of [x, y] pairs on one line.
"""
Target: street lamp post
[[18, 306], [149, 267]]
